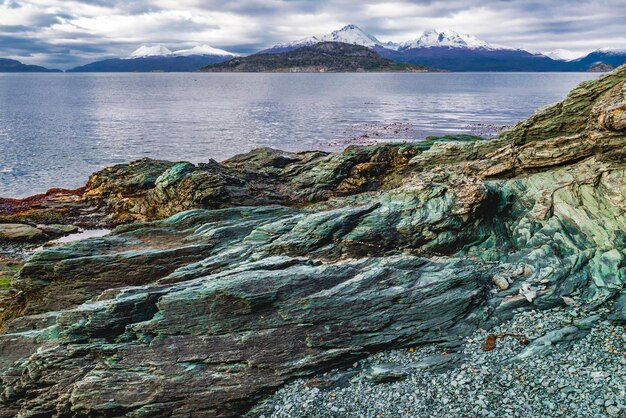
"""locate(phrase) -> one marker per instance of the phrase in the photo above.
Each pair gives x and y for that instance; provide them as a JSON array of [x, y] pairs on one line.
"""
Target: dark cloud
[[69, 32]]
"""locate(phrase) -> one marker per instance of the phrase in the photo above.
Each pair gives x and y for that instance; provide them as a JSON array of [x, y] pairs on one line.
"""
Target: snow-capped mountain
[[443, 49], [610, 51], [308, 41], [150, 51], [349, 34], [447, 38], [609, 56], [352, 34], [162, 51], [204, 50], [563, 54], [160, 58]]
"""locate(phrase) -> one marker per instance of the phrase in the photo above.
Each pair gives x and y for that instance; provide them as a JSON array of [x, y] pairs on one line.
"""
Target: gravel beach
[[585, 377]]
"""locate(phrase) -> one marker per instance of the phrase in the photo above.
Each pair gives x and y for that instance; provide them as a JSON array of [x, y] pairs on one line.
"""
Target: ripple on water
[[56, 129]]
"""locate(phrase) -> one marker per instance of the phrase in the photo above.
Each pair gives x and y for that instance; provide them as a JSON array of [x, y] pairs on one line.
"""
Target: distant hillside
[[169, 63], [13, 66], [593, 61], [321, 57], [600, 67], [449, 50], [476, 59]]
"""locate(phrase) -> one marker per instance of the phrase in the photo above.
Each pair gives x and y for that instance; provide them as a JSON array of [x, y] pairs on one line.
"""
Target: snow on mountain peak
[[563, 55], [351, 34], [308, 41], [611, 51], [204, 50], [162, 51], [150, 51], [447, 38]]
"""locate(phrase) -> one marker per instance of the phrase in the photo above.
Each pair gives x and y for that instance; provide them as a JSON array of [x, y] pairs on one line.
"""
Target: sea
[[56, 129]]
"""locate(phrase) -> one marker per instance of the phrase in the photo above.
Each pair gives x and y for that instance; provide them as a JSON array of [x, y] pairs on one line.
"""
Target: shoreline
[[271, 72], [283, 123], [222, 283]]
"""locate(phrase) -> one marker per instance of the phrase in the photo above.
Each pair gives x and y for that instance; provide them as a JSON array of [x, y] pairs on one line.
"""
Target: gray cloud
[[66, 33]]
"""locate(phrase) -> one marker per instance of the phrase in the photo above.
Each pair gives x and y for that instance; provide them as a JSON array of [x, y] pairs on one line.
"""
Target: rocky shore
[[223, 282], [579, 377]]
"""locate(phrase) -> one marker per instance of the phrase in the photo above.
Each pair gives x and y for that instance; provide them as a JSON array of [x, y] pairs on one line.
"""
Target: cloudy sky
[[65, 33]]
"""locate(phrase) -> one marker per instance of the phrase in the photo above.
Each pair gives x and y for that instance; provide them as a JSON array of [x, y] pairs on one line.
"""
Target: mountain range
[[352, 34], [442, 49], [449, 50], [323, 57], [13, 66], [160, 58]]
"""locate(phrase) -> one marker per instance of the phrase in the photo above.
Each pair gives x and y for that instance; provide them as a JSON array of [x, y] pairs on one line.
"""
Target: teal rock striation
[[223, 281]]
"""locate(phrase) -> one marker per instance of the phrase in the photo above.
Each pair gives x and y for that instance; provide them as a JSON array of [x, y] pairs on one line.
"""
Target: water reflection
[[55, 129]]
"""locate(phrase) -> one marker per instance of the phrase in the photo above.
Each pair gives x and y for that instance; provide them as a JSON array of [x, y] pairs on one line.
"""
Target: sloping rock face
[[282, 264], [148, 189]]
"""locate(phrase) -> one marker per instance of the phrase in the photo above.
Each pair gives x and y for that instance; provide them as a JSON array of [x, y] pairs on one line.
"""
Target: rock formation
[[225, 280]]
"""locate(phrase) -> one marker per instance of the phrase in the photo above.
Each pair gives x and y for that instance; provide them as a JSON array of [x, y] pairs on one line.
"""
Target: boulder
[[55, 230], [21, 233]]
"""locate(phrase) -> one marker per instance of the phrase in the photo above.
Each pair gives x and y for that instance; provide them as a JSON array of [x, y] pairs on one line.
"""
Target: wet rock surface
[[225, 281]]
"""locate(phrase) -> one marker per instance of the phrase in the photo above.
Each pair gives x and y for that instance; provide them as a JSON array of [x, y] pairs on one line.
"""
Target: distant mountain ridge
[[563, 55], [162, 51], [611, 57], [477, 59], [349, 34], [326, 56], [14, 66], [160, 58], [454, 51], [434, 38], [352, 34], [438, 48]]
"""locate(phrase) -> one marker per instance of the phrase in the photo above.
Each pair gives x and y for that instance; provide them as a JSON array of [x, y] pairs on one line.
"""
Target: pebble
[[579, 379]]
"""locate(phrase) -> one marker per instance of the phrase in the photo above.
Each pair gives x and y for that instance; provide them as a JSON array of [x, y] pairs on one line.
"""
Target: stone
[[55, 231], [436, 362], [501, 280], [223, 281], [385, 373], [21, 233], [613, 411], [57, 206], [528, 292]]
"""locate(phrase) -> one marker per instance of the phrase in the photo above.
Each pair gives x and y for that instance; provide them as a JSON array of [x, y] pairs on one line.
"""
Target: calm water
[[55, 129]]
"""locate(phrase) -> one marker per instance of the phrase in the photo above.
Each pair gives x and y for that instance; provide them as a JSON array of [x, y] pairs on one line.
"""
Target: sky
[[67, 33]]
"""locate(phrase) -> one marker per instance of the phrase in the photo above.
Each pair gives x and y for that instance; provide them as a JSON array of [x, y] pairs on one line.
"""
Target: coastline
[[222, 282]]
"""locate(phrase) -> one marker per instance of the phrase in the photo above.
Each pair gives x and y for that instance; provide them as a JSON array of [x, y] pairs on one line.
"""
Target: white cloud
[[67, 32]]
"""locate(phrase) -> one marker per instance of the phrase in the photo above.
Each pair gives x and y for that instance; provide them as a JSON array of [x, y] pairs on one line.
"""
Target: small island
[[324, 57]]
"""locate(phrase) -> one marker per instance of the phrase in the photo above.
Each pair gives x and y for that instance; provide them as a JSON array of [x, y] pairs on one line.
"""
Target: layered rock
[[58, 206], [276, 265], [43, 217]]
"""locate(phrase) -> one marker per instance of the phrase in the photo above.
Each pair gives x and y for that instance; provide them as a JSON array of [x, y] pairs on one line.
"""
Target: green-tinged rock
[[277, 265]]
